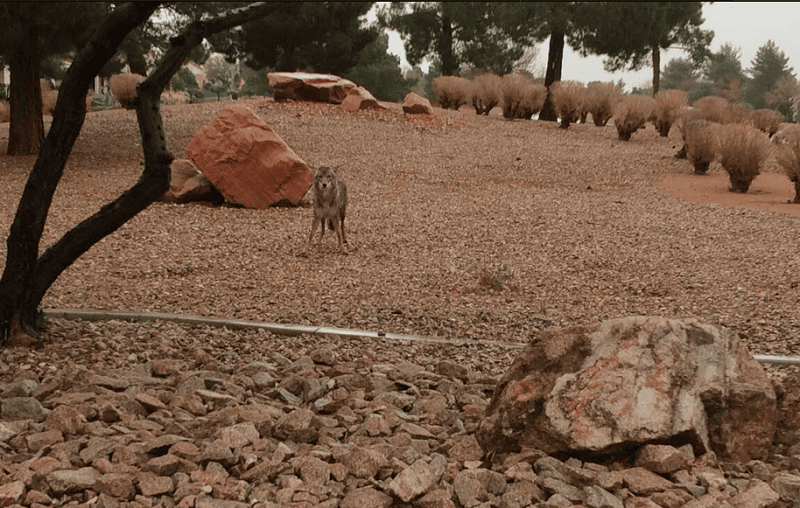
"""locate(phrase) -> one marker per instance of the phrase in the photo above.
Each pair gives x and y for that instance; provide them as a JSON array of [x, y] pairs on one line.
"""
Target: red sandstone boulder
[[306, 86], [360, 98], [627, 382], [187, 184], [246, 160], [417, 104]]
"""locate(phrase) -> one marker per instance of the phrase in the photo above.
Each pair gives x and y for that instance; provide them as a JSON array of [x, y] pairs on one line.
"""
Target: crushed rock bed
[[462, 227], [131, 414]]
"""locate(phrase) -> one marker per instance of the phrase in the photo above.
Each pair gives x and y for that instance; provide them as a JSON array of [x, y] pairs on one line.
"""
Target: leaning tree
[[28, 275]]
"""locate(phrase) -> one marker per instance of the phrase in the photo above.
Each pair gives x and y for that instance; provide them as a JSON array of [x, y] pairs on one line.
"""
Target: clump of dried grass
[[738, 112], [712, 108], [742, 150], [123, 87], [669, 104], [631, 114], [486, 93], [767, 120], [787, 154], [451, 92], [600, 100], [522, 98], [5, 111], [49, 97], [701, 141], [568, 101]]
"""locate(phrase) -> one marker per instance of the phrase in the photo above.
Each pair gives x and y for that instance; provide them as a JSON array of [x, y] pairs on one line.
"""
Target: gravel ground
[[461, 227]]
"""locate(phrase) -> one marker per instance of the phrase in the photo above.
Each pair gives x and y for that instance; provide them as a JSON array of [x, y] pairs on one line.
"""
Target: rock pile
[[135, 415]]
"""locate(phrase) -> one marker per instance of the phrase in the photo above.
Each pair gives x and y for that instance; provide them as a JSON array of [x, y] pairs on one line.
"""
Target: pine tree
[[768, 67]]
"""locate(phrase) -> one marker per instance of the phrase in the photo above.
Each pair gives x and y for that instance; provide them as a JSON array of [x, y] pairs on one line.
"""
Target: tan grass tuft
[[600, 100], [5, 111], [742, 150], [452, 92], [669, 104], [123, 87], [522, 98], [486, 93], [787, 154], [568, 101], [712, 108], [701, 141], [767, 120], [631, 114]]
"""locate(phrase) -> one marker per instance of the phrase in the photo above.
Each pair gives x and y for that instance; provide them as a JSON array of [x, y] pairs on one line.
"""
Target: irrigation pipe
[[237, 324], [292, 330]]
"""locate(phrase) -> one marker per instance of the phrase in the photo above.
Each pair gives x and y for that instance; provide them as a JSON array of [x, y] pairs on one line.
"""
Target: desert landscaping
[[471, 233]]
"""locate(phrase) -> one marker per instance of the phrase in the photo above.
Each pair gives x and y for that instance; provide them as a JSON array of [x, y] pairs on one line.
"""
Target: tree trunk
[[26, 130], [449, 67], [555, 58], [25, 277], [656, 69]]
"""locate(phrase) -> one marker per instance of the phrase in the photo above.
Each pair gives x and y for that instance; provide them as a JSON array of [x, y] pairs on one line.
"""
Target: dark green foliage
[[33, 33], [679, 74], [183, 80], [768, 67], [255, 82], [478, 36], [379, 72], [631, 34], [325, 37]]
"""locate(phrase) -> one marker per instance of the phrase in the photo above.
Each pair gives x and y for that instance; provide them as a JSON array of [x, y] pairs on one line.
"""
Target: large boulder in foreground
[[247, 161], [307, 86], [612, 387]]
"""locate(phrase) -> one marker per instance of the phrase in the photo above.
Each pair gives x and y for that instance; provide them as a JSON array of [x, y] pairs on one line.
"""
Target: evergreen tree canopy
[[679, 74], [768, 67], [322, 37], [632, 34], [379, 72], [484, 36]]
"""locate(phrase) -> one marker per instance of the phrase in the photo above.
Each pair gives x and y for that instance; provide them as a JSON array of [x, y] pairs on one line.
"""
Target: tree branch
[[154, 179]]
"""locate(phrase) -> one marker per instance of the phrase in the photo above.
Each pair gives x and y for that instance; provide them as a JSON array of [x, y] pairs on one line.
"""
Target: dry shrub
[[767, 120], [712, 108], [123, 87], [739, 112], [522, 98], [568, 101], [49, 97], [452, 92], [600, 100], [701, 140], [173, 97], [631, 114], [486, 93], [686, 115], [742, 150], [787, 154], [669, 104], [5, 111]]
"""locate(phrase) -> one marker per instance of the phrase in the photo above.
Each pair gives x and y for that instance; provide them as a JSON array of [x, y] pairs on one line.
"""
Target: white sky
[[745, 25]]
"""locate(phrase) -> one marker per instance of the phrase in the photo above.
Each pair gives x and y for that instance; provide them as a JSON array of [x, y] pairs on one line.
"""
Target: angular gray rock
[[632, 381]]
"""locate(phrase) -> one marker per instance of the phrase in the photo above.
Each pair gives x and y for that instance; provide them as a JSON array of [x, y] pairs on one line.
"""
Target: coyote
[[330, 202]]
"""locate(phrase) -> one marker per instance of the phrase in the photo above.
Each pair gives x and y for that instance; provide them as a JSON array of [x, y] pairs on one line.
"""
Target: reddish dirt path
[[769, 191]]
